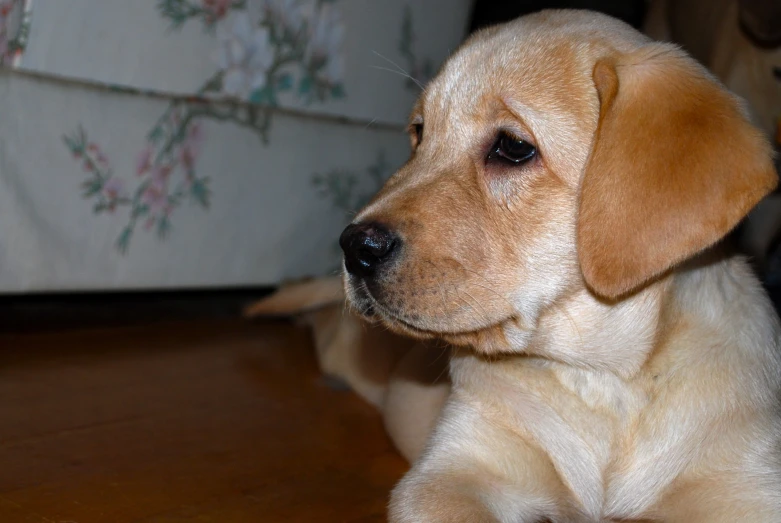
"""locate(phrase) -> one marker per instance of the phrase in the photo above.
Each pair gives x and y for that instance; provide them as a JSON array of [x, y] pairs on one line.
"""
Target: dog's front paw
[[449, 499], [438, 508], [434, 499]]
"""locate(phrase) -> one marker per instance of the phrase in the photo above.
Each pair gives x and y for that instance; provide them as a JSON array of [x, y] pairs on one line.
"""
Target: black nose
[[366, 246]]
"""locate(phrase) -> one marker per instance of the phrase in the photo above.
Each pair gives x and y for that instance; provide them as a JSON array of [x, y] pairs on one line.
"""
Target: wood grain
[[189, 422]]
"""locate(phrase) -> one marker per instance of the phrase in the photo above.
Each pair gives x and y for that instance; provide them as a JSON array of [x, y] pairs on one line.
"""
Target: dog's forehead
[[539, 60], [504, 64]]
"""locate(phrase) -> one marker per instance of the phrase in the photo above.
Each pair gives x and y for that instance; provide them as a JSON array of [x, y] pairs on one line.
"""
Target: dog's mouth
[[372, 309], [361, 300]]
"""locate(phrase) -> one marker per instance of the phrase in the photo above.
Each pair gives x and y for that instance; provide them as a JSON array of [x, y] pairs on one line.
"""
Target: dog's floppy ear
[[674, 167]]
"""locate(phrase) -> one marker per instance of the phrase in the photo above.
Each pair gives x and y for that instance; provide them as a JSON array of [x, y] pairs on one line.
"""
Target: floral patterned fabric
[[183, 143], [299, 54], [14, 30]]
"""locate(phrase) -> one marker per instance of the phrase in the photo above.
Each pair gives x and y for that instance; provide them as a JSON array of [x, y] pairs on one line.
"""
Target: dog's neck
[[586, 332], [711, 309], [622, 337]]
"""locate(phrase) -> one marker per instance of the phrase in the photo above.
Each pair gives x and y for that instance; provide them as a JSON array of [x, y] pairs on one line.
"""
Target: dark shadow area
[[47, 312], [489, 12]]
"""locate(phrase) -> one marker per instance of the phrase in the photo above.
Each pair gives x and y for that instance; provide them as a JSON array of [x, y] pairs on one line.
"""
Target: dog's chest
[[584, 421], [602, 414]]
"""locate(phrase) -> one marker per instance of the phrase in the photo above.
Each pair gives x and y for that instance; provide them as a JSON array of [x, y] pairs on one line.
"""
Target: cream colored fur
[[628, 393]]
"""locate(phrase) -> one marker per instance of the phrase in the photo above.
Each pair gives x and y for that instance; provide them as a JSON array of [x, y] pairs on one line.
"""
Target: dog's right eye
[[511, 150], [416, 130]]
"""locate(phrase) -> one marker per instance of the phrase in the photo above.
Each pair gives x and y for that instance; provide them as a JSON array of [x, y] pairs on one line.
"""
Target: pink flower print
[[144, 160], [195, 135], [191, 146], [102, 161], [187, 156], [94, 159], [160, 173], [5, 11], [216, 9], [114, 189], [155, 196]]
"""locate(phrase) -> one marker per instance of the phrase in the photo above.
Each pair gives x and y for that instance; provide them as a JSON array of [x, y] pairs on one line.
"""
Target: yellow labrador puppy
[[556, 222]]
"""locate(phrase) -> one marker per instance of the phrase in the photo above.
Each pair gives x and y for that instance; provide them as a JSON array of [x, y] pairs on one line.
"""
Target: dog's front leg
[[439, 498], [476, 470]]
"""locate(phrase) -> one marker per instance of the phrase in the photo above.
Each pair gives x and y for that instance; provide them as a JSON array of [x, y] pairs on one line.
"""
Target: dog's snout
[[366, 247]]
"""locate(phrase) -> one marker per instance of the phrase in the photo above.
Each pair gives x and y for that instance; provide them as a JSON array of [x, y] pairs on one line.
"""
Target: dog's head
[[559, 152]]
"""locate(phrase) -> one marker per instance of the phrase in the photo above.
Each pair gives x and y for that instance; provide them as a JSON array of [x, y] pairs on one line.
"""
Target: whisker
[[406, 75], [442, 290], [482, 309], [444, 350], [397, 66], [488, 288], [572, 321], [445, 369]]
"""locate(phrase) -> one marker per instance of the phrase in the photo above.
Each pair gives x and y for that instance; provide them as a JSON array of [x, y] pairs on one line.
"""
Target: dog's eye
[[417, 133], [512, 150]]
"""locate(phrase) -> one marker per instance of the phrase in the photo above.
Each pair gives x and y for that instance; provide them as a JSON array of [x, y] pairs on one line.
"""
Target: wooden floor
[[210, 421]]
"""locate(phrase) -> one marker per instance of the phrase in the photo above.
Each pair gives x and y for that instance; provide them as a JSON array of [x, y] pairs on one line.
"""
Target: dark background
[[486, 12]]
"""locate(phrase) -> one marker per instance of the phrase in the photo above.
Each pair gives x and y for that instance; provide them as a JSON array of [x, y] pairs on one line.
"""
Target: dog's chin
[[489, 340], [369, 308], [406, 328], [363, 304], [374, 311]]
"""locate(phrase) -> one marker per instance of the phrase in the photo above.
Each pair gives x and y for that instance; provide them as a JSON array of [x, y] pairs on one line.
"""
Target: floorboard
[[209, 421]]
